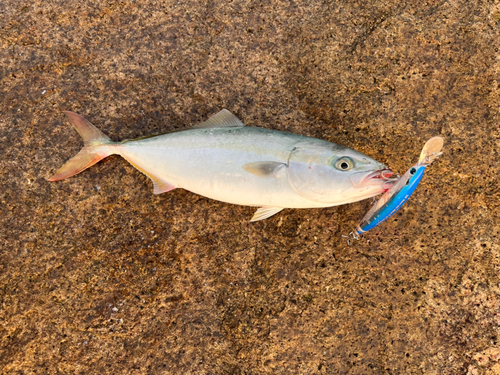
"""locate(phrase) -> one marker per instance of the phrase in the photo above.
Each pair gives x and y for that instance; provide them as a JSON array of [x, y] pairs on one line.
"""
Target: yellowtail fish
[[225, 160]]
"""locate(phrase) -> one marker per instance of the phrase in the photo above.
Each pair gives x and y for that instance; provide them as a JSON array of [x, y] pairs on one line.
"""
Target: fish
[[225, 160], [392, 200]]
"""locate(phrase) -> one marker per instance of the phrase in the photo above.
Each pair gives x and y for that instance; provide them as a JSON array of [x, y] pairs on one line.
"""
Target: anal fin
[[265, 212], [161, 186]]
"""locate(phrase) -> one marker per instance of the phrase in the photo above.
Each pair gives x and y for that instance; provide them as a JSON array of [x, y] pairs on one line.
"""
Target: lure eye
[[344, 164], [413, 171]]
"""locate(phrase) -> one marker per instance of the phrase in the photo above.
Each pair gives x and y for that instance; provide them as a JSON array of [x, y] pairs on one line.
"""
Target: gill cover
[[310, 171]]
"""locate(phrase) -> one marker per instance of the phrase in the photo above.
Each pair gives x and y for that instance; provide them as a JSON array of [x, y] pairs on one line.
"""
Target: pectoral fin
[[265, 212], [264, 168], [222, 119]]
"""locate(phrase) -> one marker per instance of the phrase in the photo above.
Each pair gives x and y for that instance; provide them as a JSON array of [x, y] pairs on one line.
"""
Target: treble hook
[[352, 236]]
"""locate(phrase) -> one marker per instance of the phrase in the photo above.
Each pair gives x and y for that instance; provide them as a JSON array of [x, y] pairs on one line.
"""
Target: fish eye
[[413, 171], [344, 164]]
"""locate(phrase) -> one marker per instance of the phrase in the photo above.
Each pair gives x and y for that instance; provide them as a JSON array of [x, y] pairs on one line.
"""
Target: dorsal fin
[[222, 119]]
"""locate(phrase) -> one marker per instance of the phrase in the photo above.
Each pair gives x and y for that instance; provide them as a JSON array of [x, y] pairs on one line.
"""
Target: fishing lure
[[401, 191]]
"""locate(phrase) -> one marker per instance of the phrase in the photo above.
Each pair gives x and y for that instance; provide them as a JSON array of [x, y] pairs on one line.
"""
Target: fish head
[[325, 172]]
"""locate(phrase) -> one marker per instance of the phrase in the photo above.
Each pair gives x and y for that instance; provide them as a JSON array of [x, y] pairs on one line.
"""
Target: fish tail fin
[[97, 146]]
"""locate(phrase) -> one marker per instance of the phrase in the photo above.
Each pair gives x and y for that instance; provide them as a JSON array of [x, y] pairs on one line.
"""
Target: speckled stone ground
[[98, 275]]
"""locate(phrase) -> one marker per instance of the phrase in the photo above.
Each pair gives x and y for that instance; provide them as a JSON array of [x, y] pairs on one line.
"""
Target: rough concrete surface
[[98, 275]]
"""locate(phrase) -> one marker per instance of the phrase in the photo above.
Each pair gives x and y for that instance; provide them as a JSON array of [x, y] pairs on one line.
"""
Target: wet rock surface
[[98, 275]]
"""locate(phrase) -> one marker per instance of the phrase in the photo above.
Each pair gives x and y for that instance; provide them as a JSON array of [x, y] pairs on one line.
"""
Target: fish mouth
[[382, 178]]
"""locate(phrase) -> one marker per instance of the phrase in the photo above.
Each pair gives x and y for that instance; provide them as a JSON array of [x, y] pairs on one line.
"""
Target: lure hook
[[352, 236]]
